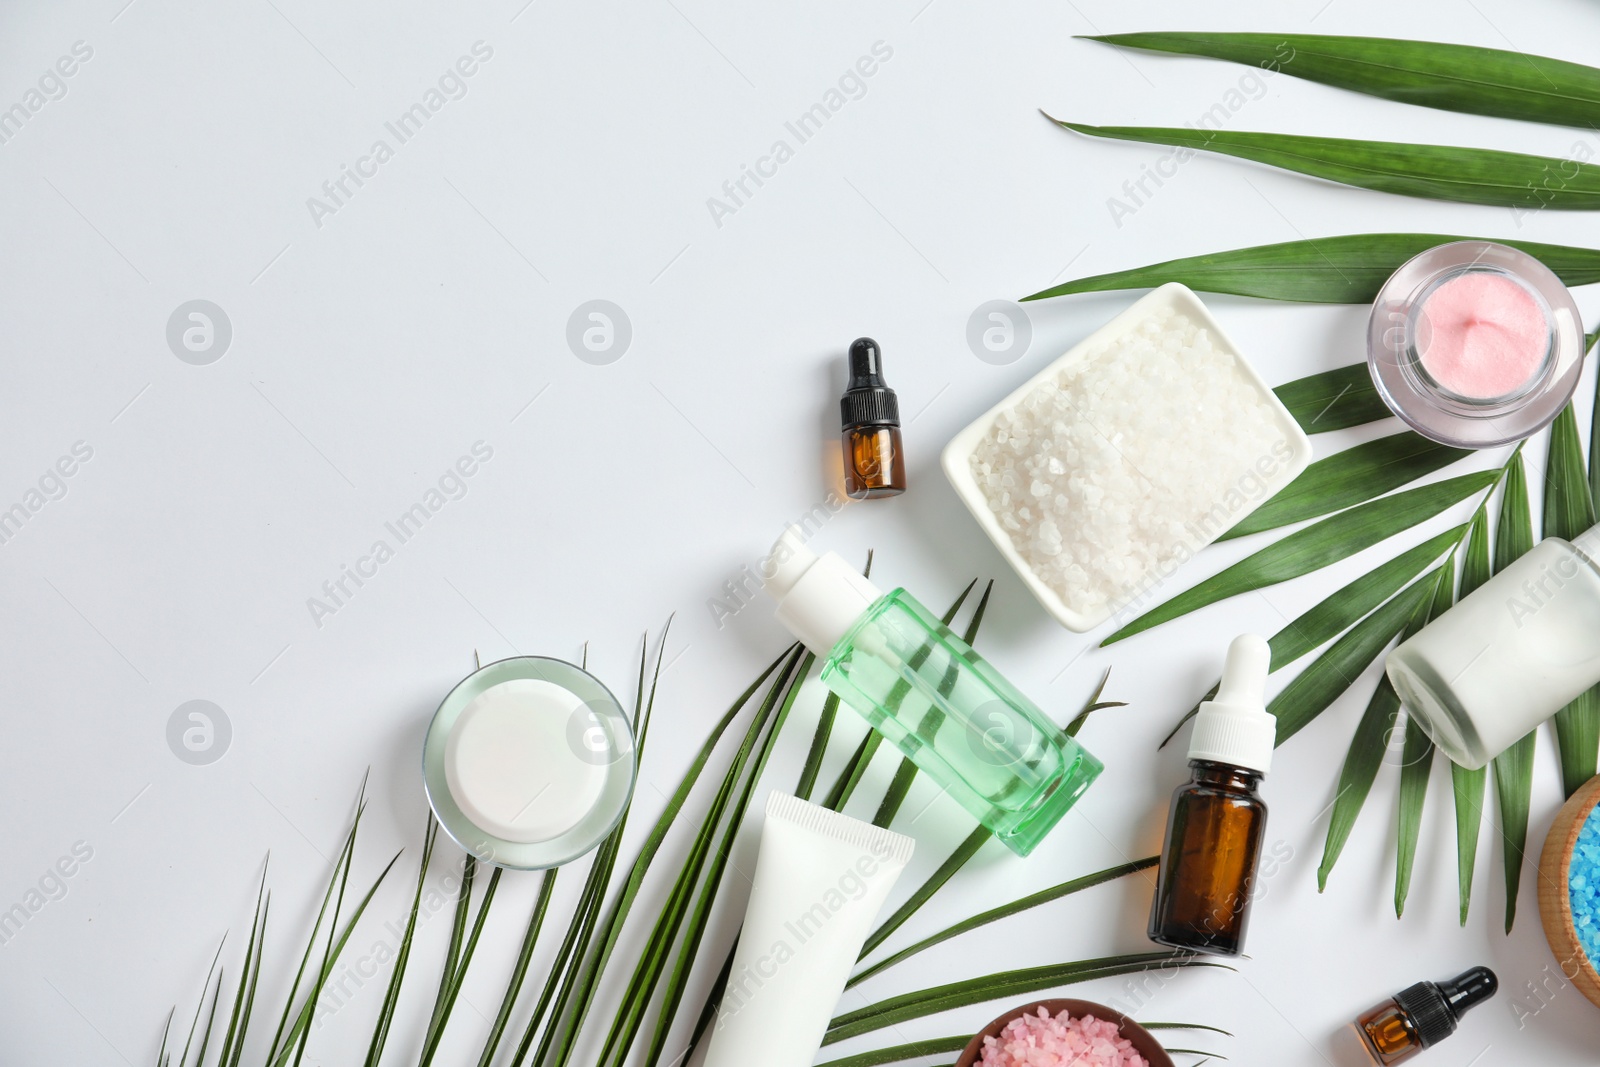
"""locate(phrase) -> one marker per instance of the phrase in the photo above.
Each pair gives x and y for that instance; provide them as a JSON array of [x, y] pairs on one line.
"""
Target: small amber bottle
[[870, 413], [1422, 1015], [1214, 828]]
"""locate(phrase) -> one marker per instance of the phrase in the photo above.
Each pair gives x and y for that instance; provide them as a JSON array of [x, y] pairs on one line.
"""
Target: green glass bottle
[[929, 694]]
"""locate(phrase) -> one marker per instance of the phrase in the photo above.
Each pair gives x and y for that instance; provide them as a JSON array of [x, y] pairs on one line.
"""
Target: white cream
[[514, 763], [820, 879]]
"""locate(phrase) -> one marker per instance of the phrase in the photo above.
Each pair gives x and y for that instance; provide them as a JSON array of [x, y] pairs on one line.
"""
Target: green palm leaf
[[563, 997], [1416, 764], [1324, 621], [912, 1050], [855, 768], [1513, 783], [1513, 768], [565, 976], [567, 1028], [1327, 620], [162, 1057], [678, 978], [1327, 541], [1434, 172], [1371, 741], [984, 918], [519, 970], [964, 852], [1347, 269], [1354, 476], [1338, 668], [936, 881], [458, 973], [1468, 786], [1093, 705], [842, 789], [211, 1018], [1004, 985], [281, 1039], [391, 995], [452, 956], [653, 962], [1334, 399], [1451, 77], [244, 997], [819, 746], [295, 1040], [1186, 1026], [1568, 512], [1359, 771]]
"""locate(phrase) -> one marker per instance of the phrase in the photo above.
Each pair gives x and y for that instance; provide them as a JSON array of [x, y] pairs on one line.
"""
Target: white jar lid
[[516, 762]]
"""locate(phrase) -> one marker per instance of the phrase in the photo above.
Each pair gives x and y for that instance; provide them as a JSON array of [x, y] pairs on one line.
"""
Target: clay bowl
[[1555, 902], [1144, 1042]]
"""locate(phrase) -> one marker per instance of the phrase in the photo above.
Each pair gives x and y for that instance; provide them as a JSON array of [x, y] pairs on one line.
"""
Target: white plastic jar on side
[[1510, 655]]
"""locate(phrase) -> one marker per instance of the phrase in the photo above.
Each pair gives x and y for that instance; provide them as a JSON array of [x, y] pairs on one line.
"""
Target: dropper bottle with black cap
[[870, 413], [1422, 1015]]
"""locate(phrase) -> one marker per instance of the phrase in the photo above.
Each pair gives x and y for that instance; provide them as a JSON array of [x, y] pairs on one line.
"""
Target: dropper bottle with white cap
[[1214, 829], [924, 689]]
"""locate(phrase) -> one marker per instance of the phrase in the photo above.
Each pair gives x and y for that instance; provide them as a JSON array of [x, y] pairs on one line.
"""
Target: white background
[[369, 352]]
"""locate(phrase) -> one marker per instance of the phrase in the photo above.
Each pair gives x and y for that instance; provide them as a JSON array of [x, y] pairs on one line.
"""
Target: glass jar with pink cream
[[1475, 344]]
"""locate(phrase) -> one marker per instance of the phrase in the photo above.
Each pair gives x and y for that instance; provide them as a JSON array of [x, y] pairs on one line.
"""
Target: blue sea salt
[[1583, 882]]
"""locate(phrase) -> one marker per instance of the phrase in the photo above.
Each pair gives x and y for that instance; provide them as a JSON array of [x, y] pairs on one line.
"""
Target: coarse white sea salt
[[1112, 472]]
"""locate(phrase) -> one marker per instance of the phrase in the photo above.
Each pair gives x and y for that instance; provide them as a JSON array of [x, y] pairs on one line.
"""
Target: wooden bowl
[[1143, 1041], [1555, 900]]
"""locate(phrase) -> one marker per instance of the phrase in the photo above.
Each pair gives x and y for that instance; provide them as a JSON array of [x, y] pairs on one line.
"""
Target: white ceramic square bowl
[[956, 457]]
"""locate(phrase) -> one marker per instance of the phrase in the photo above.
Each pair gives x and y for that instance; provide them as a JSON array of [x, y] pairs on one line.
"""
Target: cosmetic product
[[1122, 459], [820, 879], [1475, 344], [924, 689], [1064, 1033], [1569, 889], [528, 763], [1208, 864], [1509, 655], [869, 413], [1422, 1015]]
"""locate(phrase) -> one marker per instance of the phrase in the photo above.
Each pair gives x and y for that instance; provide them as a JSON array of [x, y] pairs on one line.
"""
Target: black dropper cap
[[1435, 1009], [867, 400]]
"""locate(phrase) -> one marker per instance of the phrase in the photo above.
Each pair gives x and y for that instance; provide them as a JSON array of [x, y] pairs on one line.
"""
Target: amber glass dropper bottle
[[1208, 865], [1422, 1015], [870, 414]]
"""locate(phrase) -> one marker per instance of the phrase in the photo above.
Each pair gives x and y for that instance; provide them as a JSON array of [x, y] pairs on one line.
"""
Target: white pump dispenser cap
[[1235, 728], [819, 597]]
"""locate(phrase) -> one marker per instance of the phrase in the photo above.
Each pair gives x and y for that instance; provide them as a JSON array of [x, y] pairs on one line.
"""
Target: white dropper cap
[[1235, 728], [819, 597]]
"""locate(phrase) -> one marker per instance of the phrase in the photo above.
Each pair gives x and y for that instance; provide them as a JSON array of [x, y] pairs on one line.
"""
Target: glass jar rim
[[1448, 420]]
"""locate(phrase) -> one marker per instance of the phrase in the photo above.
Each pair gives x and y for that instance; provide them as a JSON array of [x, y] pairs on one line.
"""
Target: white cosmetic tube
[[820, 879]]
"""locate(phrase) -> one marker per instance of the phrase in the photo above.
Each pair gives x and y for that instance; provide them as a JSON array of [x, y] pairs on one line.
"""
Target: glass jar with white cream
[[529, 763]]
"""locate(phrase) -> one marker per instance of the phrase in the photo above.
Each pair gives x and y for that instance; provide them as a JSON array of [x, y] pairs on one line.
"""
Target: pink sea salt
[[1062, 1041], [1483, 335]]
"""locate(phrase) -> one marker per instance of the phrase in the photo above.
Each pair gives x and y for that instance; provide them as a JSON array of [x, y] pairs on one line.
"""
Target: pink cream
[[1486, 335]]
